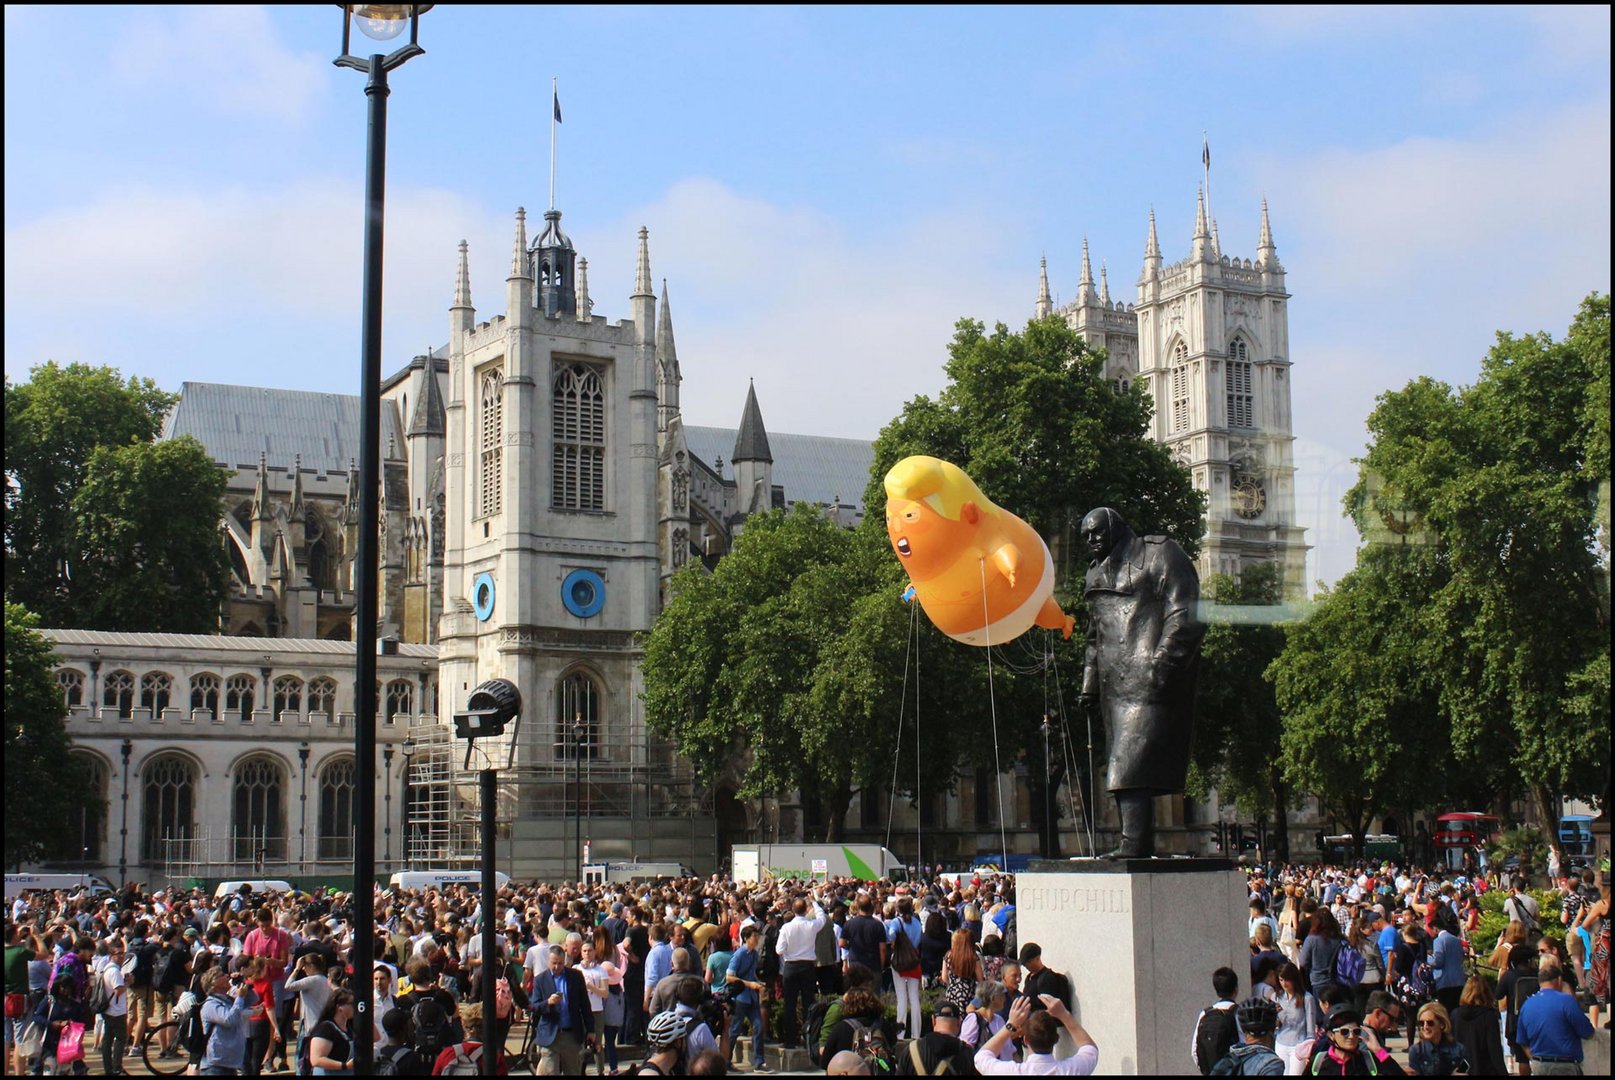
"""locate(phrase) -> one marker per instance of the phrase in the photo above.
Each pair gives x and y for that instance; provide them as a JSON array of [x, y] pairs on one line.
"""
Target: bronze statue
[[1143, 659]]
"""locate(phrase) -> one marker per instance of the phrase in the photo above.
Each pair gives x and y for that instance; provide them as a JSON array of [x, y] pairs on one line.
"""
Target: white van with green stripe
[[866, 862]]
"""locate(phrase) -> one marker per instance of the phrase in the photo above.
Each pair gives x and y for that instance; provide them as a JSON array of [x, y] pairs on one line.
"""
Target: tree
[[1239, 726], [54, 422], [1361, 730], [147, 530], [1502, 482], [1032, 419], [47, 788]]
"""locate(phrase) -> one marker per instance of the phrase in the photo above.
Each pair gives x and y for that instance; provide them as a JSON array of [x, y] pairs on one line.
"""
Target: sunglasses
[[1351, 1032], [1429, 1023]]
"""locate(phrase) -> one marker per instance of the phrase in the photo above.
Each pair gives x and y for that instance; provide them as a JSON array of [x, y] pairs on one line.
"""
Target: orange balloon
[[982, 574]]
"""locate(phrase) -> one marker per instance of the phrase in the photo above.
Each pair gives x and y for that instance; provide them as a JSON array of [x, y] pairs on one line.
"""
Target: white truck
[[616, 873], [866, 862]]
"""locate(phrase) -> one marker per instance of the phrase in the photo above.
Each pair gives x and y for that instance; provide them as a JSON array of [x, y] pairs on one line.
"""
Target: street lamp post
[[408, 750], [387, 800], [302, 825], [381, 22], [123, 839], [578, 731]]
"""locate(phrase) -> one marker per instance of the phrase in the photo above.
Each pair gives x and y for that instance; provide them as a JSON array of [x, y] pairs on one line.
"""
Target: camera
[[235, 980]]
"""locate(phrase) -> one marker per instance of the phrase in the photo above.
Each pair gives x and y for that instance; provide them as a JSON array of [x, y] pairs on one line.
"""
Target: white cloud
[[233, 51]]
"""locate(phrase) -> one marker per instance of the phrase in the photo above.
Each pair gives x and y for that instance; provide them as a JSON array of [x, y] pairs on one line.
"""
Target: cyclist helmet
[[666, 1029], [1258, 1016]]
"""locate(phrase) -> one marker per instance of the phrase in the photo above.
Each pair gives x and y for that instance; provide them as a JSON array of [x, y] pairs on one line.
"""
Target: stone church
[[539, 489]]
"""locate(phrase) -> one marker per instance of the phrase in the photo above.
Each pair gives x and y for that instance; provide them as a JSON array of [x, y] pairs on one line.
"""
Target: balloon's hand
[[908, 595]]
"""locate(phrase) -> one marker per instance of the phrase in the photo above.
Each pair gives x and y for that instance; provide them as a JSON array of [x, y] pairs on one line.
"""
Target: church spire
[[1202, 233], [751, 442], [462, 279], [1152, 251], [297, 487], [668, 376], [1085, 293], [429, 416], [1267, 256], [260, 494], [1104, 285], [642, 285], [518, 256], [584, 303], [1216, 239], [1044, 304]]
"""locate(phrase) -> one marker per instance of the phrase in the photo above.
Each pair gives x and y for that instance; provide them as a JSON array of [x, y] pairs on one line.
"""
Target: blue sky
[[827, 189]]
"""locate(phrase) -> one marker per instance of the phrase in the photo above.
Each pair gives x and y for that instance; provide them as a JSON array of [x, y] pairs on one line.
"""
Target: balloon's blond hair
[[940, 484]]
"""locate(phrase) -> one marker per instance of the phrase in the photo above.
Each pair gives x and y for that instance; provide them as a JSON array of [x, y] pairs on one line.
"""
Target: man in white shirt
[[115, 1037], [1041, 1031], [797, 950]]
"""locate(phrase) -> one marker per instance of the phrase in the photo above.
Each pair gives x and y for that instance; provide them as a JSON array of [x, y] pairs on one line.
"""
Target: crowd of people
[[866, 978]]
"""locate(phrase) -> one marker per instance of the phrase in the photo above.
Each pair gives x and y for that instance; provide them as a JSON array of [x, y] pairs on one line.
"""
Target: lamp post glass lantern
[[380, 22]]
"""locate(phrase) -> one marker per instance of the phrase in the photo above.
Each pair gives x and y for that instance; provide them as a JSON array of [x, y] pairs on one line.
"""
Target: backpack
[[98, 999], [1213, 1037], [1524, 987], [869, 1042], [916, 1058], [813, 1026], [768, 955], [1233, 1063], [433, 1032], [140, 970], [463, 1063], [905, 957], [1349, 966], [162, 971], [399, 1061]]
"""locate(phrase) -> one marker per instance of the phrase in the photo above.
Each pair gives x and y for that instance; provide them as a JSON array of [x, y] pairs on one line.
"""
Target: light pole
[[381, 22], [578, 731], [387, 799], [123, 840], [408, 750], [302, 825]]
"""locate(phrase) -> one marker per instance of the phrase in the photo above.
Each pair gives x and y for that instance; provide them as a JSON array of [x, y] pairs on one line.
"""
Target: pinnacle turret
[[1104, 285], [518, 257], [642, 285], [462, 279], [665, 352], [260, 494], [1216, 239], [429, 416], [1267, 256], [1152, 252], [297, 487], [584, 303], [751, 441], [1044, 304], [1085, 293], [1201, 251]]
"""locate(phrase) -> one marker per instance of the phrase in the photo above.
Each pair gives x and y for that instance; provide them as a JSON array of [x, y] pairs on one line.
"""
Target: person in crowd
[[1319, 953], [312, 984], [224, 1025], [1552, 1026], [665, 995], [1437, 1051], [1363, 939], [1041, 1030], [848, 1063], [799, 964], [1216, 1028], [934, 945], [1475, 1026], [331, 1043], [665, 1037], [961, 970], [861, 1008], [1353, 1048], [1294, 1034], [1255, 1056], [941, 1052], [1515, 985], [563, 1020], [745, 1000], [1447, 958], [983, 1020], [261, 1031], [115, 1039]]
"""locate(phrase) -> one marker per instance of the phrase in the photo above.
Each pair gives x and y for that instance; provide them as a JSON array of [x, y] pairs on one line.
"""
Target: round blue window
[[584, 593], [482, 593]]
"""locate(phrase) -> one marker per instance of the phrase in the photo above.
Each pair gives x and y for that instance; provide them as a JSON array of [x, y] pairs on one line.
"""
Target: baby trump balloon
[[982, 574]]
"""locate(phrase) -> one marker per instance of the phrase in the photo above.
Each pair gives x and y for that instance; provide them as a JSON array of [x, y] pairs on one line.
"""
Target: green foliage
[[1528, 843], [63, 551], [1468, 651], [1493, 921], [47, 788], [147, 528]]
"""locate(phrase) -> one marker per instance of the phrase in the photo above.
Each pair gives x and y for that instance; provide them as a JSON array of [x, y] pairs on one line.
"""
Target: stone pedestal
[[1139, 939]]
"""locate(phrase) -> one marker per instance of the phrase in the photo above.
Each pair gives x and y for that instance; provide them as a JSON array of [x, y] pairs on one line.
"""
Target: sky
[[828, 190]]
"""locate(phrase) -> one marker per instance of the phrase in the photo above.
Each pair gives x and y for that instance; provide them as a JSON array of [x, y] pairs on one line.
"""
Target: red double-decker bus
[[1463, 831]]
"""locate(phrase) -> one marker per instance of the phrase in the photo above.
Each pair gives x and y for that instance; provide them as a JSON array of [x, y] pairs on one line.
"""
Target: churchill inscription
[[1096, 901]]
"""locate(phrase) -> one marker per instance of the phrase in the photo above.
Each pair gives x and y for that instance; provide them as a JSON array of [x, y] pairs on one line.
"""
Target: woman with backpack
[[903, 930], [330, 1045], [1364, 943], [59, 1008], [1447, 959], [983, 1021], [862, 1022]]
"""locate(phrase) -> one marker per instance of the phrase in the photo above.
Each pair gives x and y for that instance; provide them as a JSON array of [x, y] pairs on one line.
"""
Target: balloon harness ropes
[[1048, 663]]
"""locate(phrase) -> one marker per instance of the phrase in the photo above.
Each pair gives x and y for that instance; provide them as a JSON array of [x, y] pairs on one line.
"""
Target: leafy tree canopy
[[47, 787]]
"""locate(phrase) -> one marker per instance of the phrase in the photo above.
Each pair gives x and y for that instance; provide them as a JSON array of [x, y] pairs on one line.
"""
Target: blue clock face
[[482, 596], [584, 593]]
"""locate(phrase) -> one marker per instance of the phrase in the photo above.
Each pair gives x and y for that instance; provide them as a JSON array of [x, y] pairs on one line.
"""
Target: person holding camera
[[224, 1025]]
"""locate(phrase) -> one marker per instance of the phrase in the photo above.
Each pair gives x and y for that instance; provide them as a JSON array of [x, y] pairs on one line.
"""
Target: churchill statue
[[1141, 666]]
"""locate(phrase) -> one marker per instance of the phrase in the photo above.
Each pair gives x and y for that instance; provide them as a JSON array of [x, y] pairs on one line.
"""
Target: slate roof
[[237, 423], [811, 468]]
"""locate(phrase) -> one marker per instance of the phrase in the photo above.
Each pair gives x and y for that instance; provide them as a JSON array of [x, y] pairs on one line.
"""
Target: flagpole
[[555, 95]]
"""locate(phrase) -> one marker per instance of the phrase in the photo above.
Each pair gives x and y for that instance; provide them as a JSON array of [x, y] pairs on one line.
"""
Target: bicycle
[[174, 1061]]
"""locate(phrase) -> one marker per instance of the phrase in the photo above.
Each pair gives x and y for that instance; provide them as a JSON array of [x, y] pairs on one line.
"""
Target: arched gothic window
[[578, 461], [205, 692], [288, 696], [400, 699], [168, 803], [1241, 400], [91, 832], [336, 809], [258, 818], [1180, 388], [577, 719], [322, 696], [490, 440], [239, 693], [118, 692], [71, 680], [156, 687]]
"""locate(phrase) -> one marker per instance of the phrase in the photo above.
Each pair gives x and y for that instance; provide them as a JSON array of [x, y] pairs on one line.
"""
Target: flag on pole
[[557, 94], [1205, 147]]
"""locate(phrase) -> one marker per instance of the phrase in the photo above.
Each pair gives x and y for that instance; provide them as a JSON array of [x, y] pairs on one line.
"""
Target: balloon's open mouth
[[902, 547]]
